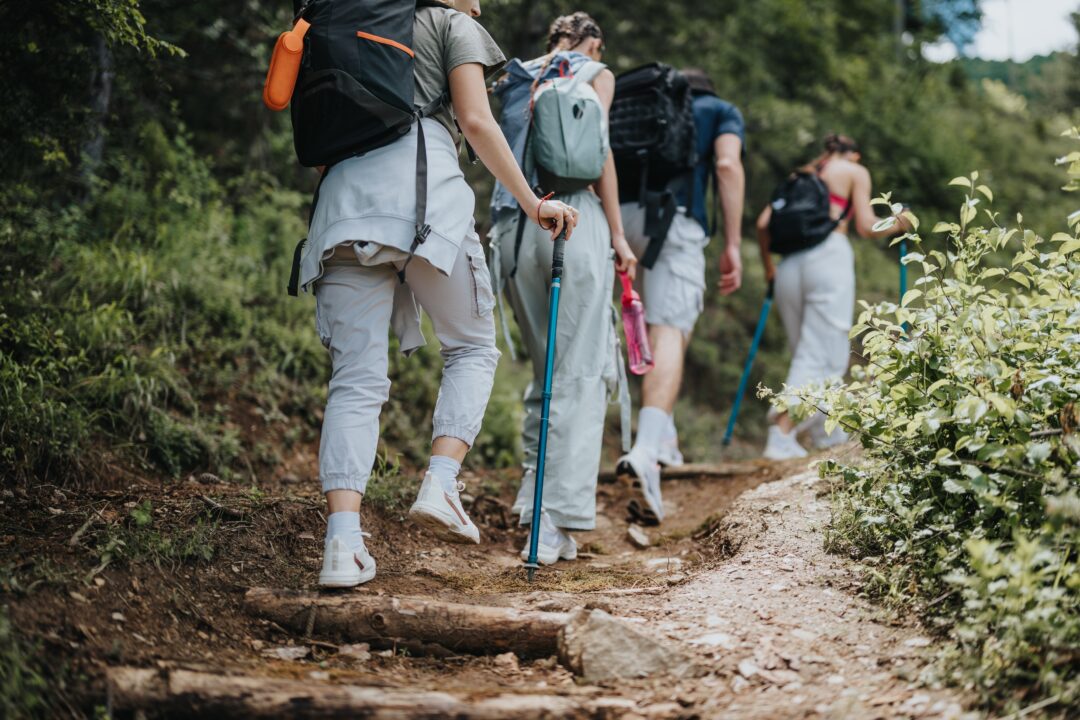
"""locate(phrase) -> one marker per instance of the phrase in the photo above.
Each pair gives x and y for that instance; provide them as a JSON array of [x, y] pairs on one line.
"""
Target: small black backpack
[[653, 141], [354, 91], [800, 213]]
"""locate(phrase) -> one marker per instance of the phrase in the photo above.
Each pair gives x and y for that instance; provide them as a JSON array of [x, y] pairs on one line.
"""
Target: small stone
[[664, 565], [360, 652], [507, 662], [716, 639], [748, 669], [597, 647], [739, 683], [917, 642], [638, 537], [320, 675], [118, 617], [288, 652]]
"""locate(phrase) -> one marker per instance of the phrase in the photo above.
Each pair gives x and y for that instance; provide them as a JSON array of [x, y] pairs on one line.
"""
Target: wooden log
[[185, 693], [473, 629], [694, 471]]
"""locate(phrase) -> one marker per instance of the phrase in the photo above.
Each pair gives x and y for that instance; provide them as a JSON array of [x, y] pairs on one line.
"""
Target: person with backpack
[[807, 222], [392, 226], [554, 115], [674, 286]]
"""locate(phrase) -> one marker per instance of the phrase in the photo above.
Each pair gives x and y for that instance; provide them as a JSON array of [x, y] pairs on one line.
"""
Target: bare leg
[[450, 447], [660, 387], [343, 501], [784, 422]]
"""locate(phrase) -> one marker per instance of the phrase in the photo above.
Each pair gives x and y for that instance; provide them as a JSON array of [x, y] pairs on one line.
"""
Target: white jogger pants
[[354, 304], [815, 294]]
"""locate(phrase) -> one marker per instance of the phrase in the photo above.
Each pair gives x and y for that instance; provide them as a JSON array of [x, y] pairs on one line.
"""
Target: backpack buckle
[[422, 232]]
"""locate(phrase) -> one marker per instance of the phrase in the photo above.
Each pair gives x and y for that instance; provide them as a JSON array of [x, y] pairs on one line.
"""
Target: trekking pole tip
[[530, 570]]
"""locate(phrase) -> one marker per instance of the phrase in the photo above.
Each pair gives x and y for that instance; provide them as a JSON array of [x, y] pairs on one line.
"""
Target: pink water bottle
[[637, 337]]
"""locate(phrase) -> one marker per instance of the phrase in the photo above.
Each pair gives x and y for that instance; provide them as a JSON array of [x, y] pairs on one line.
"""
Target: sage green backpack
[[569, 135]]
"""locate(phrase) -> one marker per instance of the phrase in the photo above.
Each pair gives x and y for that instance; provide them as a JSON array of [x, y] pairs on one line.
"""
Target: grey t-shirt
[[443, 39]]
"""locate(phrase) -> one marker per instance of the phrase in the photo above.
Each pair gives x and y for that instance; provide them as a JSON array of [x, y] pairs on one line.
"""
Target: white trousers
[[815, 294], [354, 304], [586, 356]]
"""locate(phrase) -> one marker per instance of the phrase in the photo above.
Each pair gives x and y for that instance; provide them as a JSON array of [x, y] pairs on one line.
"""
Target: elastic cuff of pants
[[461, 432], [356, 483]]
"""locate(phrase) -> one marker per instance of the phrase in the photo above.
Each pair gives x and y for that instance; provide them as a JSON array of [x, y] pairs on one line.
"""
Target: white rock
[[597, 647]]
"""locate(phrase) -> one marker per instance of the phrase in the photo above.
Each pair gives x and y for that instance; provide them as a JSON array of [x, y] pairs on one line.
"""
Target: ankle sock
[[346, 527], [446, 470], [652, 426]]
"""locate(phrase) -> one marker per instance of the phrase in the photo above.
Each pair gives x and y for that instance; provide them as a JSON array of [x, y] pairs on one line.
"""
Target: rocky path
[[774, 630]]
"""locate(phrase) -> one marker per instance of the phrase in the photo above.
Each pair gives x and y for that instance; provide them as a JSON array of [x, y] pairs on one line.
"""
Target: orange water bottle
[[638, 351], [284, 67]]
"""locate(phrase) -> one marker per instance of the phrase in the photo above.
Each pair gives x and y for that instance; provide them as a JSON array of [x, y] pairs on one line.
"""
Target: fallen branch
[[694, 472], [385, 621], [172, 693]]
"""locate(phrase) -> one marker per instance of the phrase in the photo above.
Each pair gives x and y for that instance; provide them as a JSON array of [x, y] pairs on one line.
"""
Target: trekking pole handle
[[557, 255]]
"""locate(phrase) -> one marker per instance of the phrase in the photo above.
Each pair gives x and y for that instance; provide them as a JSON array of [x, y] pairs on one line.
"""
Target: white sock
[[652, 426], [346, 527], [446, 470], [671, 435]]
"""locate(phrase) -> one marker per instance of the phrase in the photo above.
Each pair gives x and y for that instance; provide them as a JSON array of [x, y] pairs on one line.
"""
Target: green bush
[[968, 408]]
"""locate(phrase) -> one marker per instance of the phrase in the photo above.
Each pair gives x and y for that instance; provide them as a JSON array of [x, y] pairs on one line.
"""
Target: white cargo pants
[[354, 304], [815, 295]]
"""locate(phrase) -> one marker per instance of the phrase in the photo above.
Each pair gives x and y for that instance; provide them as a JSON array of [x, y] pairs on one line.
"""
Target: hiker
[[815, 288], [674, 287], [587, 357], [366, 281]]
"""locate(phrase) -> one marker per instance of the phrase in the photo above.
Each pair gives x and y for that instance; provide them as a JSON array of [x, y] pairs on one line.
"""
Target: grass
[[568, 579]]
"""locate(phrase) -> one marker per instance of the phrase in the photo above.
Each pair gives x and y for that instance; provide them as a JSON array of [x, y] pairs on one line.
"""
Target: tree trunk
[[184, 693], [101, 82], [473, 629]]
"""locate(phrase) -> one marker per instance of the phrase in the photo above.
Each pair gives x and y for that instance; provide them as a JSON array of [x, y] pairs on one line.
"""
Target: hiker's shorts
[[354, 306], [673, 290]]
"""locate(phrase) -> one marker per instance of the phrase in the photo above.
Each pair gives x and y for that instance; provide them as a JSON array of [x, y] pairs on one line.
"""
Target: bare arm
[[469, 94], [607, 187], [731, 184], [765, 241], [865, 217]]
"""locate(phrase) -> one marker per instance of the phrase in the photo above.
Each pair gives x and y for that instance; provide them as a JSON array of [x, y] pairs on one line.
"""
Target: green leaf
[[986, 191], [960, 181], [951, 486], [911, 296]]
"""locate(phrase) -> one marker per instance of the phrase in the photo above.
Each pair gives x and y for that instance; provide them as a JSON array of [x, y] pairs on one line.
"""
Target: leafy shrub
[[968, 408]]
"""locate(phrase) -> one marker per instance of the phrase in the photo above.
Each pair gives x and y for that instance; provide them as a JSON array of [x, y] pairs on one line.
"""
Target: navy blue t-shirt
[[713, 117]]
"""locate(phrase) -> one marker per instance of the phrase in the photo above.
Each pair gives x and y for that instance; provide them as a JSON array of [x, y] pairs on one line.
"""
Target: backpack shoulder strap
[[588, 72]]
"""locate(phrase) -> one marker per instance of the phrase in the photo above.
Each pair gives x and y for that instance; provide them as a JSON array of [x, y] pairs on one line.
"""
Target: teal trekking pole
[[745, 380], [549, 367]]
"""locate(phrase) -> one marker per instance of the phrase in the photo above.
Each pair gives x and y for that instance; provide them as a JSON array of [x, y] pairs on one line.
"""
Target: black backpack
[[800, 213], [354, 91], [653, 141]]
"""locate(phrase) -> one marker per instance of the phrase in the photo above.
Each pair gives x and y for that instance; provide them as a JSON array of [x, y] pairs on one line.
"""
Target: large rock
[[597, 646]]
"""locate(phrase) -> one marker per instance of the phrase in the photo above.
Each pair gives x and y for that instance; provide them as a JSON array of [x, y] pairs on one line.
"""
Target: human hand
[[625, 260], [730, 270], [554, 215]]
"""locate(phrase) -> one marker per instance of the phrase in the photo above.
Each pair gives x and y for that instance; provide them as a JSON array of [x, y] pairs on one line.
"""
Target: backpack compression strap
[[422, 228]]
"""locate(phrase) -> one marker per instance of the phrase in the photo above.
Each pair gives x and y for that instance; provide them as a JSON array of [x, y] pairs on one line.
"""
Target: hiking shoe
[[524, 498], [643, 475], [438, 509], [782, 445], [344, 567], [555, 543]]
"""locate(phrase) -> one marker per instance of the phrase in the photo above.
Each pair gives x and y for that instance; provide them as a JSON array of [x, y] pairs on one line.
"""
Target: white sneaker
[[524, 498], [554, 544], [782, 445], [439, 510], [343, 567], [643, 474], [669, 455]]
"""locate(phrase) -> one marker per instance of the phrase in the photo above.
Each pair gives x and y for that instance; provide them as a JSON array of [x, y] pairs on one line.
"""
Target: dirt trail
[[736, 576]]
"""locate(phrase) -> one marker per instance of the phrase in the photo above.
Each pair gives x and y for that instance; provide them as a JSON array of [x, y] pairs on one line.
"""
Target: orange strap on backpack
[[284, 67]]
